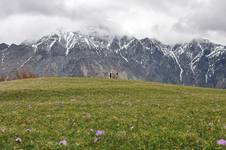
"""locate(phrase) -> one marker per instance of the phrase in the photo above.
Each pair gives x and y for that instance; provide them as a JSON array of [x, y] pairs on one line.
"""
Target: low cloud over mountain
[[168, 20]]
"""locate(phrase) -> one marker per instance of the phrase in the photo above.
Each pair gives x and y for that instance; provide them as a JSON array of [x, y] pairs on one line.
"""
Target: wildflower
[[100, 132], [91, 130], [28, 130], [18, 140], [29, 107], [3, 130], [225, 126], [63, 142], [96, 140], [211, 124], [221, 142], [87, 115]]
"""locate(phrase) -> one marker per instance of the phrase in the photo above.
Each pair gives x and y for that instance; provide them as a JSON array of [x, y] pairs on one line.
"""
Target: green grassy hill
[[133, 115]]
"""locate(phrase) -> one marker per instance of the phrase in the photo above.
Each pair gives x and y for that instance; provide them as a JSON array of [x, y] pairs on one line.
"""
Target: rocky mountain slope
[[198, 62]]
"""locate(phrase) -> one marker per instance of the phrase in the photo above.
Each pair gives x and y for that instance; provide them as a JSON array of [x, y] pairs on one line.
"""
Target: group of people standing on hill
[[111, 75]]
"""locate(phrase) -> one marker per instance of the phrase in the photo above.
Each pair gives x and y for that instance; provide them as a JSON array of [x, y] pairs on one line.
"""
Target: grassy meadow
[[40, 113]]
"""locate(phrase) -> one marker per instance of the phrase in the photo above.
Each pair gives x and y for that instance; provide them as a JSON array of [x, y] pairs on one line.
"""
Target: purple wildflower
[[221, 142], [87, 116], [91, 130], [18, 140], [63, 142], [100, 132], [29, 130], [96, 140], [2, 130], [29, 107]]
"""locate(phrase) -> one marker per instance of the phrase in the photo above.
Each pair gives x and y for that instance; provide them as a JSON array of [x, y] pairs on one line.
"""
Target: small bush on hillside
[[24, 74], [2, 78]]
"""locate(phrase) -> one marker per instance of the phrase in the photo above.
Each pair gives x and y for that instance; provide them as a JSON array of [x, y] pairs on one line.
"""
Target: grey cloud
[[46, 8], [162, 19], [58, 7], [207, 18], [9, 7]]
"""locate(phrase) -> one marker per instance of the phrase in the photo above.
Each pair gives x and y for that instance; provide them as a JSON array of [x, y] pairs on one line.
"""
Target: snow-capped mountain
[[199, 62]]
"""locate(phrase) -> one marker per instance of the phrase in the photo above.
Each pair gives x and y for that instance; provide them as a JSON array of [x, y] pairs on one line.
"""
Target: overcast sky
[[170, 21]]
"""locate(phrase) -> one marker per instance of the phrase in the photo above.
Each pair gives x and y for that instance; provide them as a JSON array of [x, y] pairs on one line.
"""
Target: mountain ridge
[[198, 62]]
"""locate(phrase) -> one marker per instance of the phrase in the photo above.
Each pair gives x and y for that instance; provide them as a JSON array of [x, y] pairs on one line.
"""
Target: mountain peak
[[3, 46]]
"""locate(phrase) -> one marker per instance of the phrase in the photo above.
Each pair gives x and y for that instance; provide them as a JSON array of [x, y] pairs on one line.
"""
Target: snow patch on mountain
[[3, 58], [178, 63], [26, 62]]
